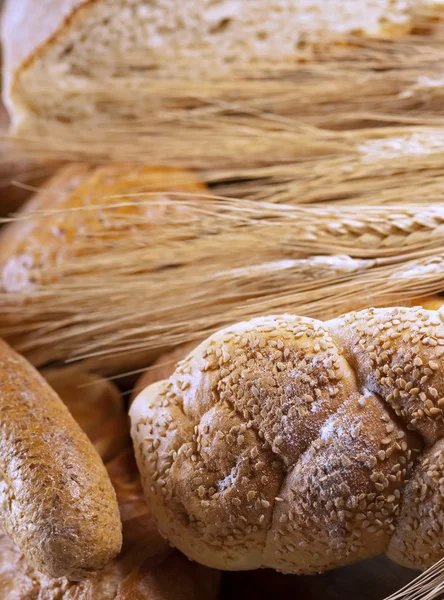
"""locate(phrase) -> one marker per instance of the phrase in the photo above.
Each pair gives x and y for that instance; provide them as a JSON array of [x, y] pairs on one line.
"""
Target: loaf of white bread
[[60, 54], [301, 445], [16, 174]]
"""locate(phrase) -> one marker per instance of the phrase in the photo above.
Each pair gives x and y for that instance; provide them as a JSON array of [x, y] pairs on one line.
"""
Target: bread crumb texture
[[84, 42], [301, 445]]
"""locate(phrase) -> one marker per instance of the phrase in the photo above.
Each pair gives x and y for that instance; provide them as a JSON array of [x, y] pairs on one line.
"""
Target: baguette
[[146, 566], [289, 443], [57, 503], [164, 40]]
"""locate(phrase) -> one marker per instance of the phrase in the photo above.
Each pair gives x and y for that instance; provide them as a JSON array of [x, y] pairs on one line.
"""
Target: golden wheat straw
[[211, 261], [427, 586]]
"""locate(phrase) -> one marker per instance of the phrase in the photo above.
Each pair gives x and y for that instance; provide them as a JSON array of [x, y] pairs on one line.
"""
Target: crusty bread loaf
[[71, 218], [57, 502], [146, 566], [31, 253], [162, 39], [300, 445]]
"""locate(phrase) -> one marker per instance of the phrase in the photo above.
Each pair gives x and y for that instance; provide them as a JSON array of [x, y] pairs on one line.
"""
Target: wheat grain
[[214, 261]]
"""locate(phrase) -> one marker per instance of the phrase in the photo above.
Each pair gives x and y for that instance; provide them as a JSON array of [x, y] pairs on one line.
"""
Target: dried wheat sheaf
[[140, 285]]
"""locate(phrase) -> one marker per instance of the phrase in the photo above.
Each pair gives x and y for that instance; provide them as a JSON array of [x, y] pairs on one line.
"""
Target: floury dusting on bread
[[327, 438]]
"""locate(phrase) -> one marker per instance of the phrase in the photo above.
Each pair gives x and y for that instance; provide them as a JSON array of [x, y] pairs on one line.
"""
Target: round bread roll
[[289, 443], [162, 368], [57, 503]]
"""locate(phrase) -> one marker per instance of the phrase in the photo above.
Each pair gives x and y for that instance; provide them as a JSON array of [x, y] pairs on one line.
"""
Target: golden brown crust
[[418, 541], [343, 504], [23, 41], [396, 354], [31, 249], [57, 503], [287, 442], [146, 566]]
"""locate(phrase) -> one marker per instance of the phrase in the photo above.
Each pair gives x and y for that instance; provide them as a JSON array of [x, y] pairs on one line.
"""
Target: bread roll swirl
[[300, 445]]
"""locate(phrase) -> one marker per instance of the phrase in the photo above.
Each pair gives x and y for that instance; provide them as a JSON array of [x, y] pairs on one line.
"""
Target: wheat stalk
[[213, 261], [427, 586], [405, 166]]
